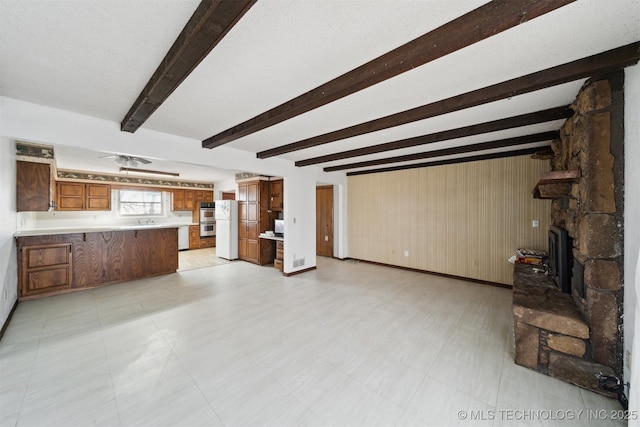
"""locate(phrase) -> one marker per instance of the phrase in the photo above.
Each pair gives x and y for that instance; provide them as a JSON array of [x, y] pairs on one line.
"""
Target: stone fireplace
[[577, 337]]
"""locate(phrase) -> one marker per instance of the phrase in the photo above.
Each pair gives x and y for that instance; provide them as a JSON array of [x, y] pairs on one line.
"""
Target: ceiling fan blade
[[142, 160]]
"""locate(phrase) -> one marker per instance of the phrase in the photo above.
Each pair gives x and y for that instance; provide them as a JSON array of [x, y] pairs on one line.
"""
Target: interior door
[[324, 220]]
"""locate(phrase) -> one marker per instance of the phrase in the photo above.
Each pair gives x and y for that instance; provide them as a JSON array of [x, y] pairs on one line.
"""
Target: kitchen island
[[57, 261]]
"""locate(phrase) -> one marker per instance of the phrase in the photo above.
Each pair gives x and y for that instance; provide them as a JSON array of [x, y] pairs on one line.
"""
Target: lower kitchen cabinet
[[59, 263], [45, 268], [194, 237], [277, 262], [207, 242]]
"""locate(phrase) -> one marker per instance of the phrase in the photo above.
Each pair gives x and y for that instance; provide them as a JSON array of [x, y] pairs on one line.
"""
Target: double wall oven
[[207, 219]]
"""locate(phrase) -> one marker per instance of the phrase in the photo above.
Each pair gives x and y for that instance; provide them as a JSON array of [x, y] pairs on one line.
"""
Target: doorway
[[228, 195], [324, 220]]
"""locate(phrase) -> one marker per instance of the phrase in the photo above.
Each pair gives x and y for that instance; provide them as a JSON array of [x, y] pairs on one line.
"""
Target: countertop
[[264, 236], [97, 229]]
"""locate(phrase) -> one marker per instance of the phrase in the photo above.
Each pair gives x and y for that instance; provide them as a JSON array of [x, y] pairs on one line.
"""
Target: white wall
[[8, 255], [226, 185], [34, 123], [632, 236]]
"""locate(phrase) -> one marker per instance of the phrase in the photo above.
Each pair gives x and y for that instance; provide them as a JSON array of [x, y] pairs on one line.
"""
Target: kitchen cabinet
[[202, 196], [45, 264], [194, 237], [278, 262], [45, 268], [207, 242], [33, 186], [74, 196], [189, 200], [253, 219], [276, 196], [177, 200]]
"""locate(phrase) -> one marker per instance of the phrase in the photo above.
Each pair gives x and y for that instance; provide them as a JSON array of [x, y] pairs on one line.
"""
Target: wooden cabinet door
[[275, 199], [242, 192], [194, 237], [70, 196], [242, 249], [252, 230], [252, 211], [253, 250], [189, 200], [32, 186], [101, 258], [98, 197], [177, 200], [252, 191], [152, 252], [208, 196]]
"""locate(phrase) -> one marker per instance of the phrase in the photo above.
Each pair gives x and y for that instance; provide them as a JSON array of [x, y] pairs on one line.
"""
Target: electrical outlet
[[5, 294], [628, 359], [535, 223], [326, 238], [406, 253]]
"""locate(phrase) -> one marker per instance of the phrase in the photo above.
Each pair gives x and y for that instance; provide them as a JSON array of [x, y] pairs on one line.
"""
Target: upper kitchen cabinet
[[33, 189], [203, 196], [177, 200], [74, 196], [276, 197], [189, 200]]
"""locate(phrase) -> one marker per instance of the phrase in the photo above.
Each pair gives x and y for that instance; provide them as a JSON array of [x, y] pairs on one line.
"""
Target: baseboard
[[293, 273], [6, 323], [434, 273]]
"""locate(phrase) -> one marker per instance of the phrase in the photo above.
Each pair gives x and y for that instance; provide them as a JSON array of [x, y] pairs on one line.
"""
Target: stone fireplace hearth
[[577, 337]]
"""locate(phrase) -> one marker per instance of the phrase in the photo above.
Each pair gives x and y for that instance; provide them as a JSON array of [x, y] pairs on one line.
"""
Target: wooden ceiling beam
[[594, 65], [501, 143], [501, 155], [542, 116], [211, 21], [479, 24]]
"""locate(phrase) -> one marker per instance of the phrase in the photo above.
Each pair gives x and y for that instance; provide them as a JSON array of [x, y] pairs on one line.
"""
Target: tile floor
[[241, 345], [198, 258]]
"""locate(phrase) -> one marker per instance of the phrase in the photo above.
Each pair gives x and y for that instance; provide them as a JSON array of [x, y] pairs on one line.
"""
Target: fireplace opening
[[560, 258]]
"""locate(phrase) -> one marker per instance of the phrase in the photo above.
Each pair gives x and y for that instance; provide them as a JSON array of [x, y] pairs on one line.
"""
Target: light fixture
[[148, 171]]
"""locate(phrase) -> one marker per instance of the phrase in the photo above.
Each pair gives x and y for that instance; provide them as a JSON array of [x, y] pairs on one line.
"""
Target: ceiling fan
[[127, 161]]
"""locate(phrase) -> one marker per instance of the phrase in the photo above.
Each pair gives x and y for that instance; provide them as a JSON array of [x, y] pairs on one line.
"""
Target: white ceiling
[[95, 56]]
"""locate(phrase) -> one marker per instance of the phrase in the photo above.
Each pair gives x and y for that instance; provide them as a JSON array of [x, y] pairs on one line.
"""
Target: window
[[134, 202]]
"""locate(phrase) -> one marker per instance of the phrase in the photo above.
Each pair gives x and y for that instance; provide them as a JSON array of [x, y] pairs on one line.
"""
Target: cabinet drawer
[[277, 263], [280, 254], [42, 256], [39, 281]]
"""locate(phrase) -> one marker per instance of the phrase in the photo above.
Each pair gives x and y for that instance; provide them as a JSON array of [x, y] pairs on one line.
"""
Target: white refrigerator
[[227, 229]]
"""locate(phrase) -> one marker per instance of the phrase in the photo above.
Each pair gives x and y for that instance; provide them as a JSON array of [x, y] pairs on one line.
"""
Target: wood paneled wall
[[465, 220]]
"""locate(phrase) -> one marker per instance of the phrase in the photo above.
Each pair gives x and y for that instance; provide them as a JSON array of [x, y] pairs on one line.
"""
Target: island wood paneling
[[464, 220], [99, 258]]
